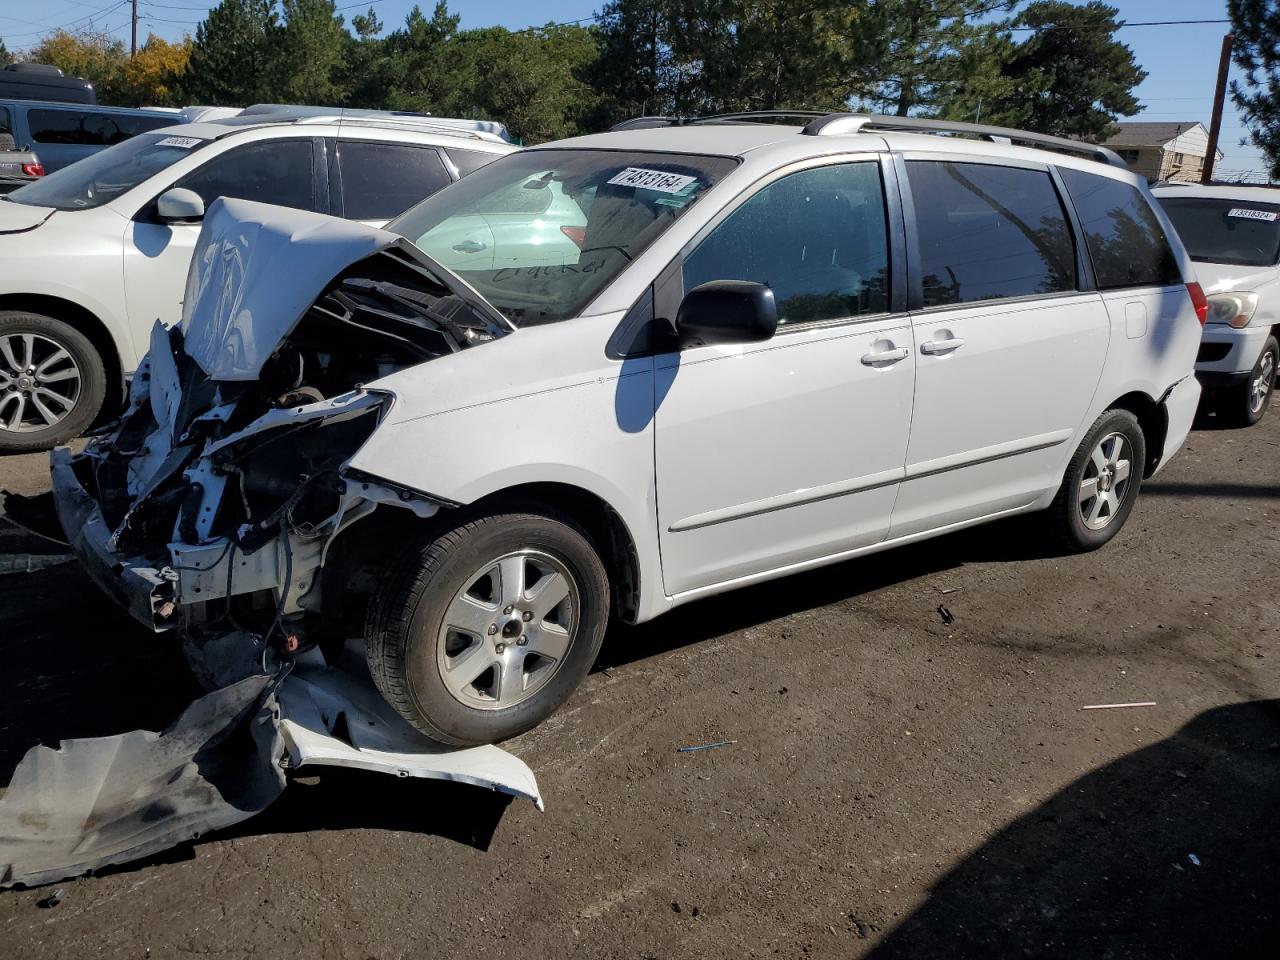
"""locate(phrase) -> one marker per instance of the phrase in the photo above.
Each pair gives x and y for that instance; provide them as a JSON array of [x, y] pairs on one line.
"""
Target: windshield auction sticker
[[1268, 215], [186, 143], [657, 180]]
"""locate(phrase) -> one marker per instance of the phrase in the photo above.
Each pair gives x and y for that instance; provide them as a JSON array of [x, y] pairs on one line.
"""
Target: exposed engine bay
[[216, 502]]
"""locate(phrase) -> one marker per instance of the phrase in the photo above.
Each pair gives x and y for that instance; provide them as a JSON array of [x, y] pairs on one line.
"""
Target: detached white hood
[[257, 269], [19, 217]]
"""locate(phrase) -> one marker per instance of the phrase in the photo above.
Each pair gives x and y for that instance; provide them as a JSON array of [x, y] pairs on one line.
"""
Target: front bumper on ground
[[1227, 354], [136, 583]]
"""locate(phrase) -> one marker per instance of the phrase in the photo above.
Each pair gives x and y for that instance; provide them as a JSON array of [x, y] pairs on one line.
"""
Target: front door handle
[[469, 246], [885, 357], [935, 347]]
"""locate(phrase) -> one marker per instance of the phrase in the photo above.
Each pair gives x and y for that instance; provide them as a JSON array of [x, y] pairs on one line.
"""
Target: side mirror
[[727, 311], [180, 204]]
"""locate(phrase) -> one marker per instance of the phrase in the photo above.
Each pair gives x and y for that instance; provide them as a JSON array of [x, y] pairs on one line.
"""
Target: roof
[[1150, 134], [225, 126], [1239, 192]]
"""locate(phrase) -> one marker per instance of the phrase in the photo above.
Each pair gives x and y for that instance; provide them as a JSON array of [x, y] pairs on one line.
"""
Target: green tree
[[1070, 77], [1256, 25], [415, 74], [532, 80], [4, 53], [309, 47], [763, 55], [636, 72], [912, 50], [232, 59]]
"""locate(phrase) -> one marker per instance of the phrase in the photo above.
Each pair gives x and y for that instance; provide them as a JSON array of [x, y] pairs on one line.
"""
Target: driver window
[[272, 171], [817, 238]]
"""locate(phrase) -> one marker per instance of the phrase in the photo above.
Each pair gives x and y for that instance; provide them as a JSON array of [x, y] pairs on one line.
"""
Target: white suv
[[772, 348], [1233, 235], [93, 254]]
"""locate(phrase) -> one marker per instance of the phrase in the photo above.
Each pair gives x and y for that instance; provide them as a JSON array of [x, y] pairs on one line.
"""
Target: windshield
[[101, 177], [1237, 232], [538, 233]]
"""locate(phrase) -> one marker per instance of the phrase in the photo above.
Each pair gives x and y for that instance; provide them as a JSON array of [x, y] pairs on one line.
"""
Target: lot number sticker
[[1268, 215], [186, 143], [658, 180]]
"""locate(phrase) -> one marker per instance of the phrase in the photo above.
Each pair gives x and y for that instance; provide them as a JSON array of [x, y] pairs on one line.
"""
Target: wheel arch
[[1153, 418], [86, 322]]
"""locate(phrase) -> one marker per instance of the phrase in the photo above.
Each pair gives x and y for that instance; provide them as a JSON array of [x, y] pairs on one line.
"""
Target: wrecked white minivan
[[620, 373]]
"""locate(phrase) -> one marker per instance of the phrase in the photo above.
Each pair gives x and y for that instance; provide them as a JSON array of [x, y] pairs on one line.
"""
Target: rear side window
[[817, 238], [468, 161], [1125, 240], [272, 171], [989, 232], [89, 128], [383, 180]]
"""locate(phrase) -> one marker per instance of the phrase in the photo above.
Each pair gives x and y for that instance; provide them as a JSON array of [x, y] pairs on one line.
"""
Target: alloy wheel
[[39, 382], [1105, 481], [1262, 382], [508, 630]]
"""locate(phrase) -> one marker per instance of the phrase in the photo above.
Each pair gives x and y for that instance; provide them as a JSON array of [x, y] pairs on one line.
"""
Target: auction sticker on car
[[658, 180], [1268, 215], [186, 143]]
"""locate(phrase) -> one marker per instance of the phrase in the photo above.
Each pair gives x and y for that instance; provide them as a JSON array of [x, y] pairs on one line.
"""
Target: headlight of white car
[[1234, 309]]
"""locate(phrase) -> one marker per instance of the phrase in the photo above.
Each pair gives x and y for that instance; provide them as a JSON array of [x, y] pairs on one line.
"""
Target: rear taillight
[[1199, 301], [577, 234], [33, 169]]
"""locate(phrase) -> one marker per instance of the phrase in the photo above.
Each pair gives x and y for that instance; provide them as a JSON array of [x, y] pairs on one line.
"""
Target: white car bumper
[[1227, 354]]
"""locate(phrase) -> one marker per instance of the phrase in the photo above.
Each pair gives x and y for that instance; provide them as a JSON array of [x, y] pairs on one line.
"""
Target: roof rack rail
[[841, 123], [745, 116]]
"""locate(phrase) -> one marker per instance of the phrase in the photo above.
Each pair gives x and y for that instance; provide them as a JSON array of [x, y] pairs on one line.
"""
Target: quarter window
[[90, 128], [271, 171], [989, 232], [383, 180], [1125, 240], [469, 161], [817, 238]]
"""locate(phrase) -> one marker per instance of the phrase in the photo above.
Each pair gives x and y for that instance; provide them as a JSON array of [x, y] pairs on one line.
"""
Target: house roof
[[1146, 134]]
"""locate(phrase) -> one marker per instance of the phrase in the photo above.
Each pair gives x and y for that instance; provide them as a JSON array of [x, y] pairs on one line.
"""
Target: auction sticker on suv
[[658, 180], [1268, 215]]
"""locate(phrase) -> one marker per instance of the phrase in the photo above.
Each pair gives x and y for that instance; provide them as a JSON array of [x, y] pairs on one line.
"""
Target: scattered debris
[[52, 900], [1182, 775], [1118, 706], [1195, 861], [946, 590], [706, 746], [31, 562], [947, 616]]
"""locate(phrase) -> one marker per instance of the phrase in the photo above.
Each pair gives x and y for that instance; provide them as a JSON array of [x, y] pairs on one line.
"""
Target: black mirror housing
[[727, 311]]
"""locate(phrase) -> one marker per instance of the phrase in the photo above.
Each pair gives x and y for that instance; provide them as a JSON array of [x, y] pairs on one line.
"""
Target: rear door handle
[[935, 347], [885, 357]]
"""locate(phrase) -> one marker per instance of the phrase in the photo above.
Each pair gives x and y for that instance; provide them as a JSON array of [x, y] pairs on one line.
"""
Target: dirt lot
[[897, 788]]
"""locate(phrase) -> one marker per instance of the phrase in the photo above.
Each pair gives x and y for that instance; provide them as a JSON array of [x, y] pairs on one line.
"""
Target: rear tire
[[1246, 404], [52, 382], [1101, 483], [482, 632]]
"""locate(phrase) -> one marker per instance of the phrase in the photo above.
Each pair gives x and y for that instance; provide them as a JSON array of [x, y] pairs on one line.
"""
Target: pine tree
[[232, 58], [1256, 25]]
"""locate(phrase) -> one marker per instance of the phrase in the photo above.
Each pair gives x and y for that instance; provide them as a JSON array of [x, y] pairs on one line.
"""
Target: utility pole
[[133, 33], [1215, 125]]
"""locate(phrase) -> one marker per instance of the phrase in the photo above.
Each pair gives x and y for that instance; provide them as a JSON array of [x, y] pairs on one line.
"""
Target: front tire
[[1246, 404], [52, 382], [1101, 483], [482, 632]]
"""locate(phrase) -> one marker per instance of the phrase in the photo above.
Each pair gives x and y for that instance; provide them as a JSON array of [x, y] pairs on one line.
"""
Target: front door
[[1009, 352], [781, 453], [158, 254]]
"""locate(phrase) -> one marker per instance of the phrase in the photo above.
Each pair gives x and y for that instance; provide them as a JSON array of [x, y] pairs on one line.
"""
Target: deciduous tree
[[151, 75], [97, 57]]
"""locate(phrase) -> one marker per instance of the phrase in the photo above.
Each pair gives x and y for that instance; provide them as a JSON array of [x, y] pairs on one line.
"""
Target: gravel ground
[[898, 787]]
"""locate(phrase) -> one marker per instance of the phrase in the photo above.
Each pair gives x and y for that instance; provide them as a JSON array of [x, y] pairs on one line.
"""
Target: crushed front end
[[214, 505]]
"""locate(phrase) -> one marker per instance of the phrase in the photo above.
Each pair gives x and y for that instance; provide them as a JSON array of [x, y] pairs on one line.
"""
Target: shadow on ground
[[1107, 867]]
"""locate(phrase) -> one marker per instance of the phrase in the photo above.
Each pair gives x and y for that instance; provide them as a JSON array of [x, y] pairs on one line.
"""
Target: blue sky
[[1181, 60]]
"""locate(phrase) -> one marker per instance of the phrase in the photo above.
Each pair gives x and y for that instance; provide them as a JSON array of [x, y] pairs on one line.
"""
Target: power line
[[1121, 26]]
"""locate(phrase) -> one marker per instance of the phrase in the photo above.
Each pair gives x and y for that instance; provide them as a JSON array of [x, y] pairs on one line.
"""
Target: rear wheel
[[1101, 483], [52, 382], [1246, 404], [482, 632]]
